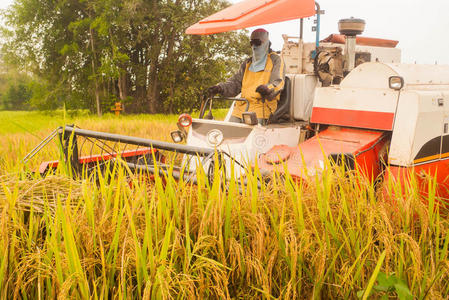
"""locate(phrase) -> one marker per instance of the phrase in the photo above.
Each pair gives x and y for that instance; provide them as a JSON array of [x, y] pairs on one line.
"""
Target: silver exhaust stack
[[350, 28]]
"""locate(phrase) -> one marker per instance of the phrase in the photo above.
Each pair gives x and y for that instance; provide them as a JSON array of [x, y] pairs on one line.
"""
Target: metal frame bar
[[318, 24], [204, 107], [317, 31], [192, 150], [41, 145]]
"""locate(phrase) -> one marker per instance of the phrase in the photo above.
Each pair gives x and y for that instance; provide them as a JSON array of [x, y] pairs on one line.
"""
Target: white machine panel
[[243, 143], [303, 90], [418, 129], [404, 130]]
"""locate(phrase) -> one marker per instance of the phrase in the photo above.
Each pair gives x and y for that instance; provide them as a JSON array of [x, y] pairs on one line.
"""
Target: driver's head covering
[[259, 34], [260, 44]]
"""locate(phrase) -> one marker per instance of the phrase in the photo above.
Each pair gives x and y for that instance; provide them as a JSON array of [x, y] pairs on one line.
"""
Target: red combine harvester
[[347, 98]]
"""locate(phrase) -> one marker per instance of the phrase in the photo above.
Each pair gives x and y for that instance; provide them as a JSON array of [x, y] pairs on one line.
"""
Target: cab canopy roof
[[249, 13]]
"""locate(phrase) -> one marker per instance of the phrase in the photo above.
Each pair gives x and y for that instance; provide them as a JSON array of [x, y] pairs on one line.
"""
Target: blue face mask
[[260, 54]]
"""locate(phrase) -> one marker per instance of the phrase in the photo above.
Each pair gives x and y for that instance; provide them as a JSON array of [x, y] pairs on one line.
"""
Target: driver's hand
[[213, 90], [264, 90]]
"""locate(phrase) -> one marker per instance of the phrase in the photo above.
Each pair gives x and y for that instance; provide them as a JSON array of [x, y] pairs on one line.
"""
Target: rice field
[[116, 236]]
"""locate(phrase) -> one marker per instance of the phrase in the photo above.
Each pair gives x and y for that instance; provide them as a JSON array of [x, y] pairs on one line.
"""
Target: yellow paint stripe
[[432, 157], [444, 155]]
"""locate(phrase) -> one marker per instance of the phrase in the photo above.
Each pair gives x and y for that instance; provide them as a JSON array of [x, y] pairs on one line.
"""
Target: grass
[[323, 238]]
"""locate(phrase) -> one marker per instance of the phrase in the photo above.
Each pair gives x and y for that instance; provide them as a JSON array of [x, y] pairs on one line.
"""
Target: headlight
[[214, 137], [177, 136], [396, 82], [185, 120]]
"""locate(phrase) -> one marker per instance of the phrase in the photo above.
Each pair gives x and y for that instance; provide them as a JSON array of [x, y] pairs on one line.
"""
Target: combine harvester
[[347, 98], [308, 66]]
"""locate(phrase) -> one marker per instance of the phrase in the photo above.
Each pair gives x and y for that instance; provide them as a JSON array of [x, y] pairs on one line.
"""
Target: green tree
[[16, 97], [15, 90], [89, 53]]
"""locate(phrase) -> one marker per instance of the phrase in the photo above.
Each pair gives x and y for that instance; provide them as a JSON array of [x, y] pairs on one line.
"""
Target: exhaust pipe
[[350, 28]]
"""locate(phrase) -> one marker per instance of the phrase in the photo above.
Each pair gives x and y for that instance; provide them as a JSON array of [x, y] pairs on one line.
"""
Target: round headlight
[[177, 136], [185, 120], [214, 137]]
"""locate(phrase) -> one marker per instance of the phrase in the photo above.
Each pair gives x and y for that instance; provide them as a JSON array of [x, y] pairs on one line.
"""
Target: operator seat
[[282, 113]]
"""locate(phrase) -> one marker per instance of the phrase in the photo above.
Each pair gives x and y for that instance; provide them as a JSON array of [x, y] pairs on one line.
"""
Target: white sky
[[5, 3], [420, 26]]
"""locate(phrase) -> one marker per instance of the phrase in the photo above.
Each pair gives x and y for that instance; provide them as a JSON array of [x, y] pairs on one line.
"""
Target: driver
[[260, 77]]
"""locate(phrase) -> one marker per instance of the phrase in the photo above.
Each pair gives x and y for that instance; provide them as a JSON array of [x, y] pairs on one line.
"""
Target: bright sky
[[5, 3], [421, 27]]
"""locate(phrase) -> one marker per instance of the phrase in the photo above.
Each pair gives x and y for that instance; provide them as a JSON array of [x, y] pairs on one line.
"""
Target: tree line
[[92, 53]]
